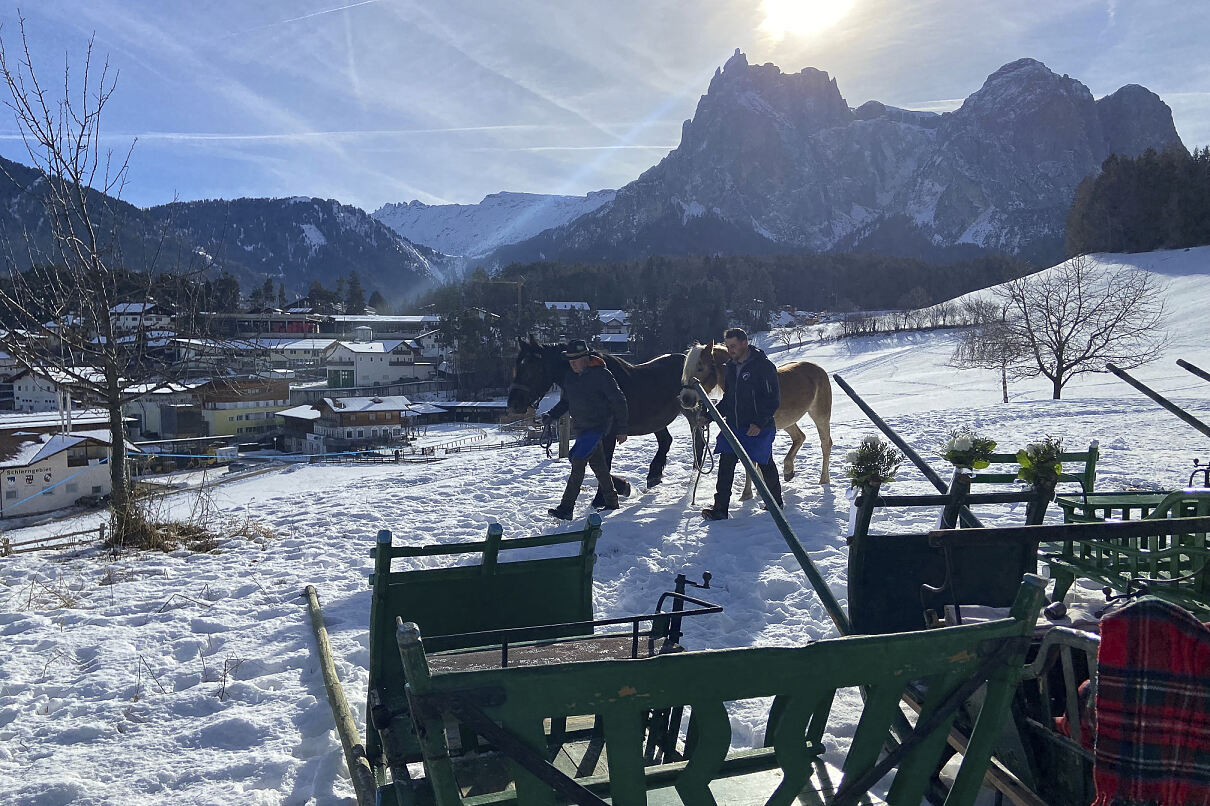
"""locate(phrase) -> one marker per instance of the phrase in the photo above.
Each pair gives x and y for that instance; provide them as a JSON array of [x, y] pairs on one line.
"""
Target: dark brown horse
[[651, 390]]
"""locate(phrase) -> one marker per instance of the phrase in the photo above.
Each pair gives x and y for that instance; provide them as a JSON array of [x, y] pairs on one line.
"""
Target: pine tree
[[355, 298], [379, 303]]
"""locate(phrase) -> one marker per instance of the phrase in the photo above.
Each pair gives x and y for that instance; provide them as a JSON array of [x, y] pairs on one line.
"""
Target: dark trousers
[[726, 477], [595, 460]]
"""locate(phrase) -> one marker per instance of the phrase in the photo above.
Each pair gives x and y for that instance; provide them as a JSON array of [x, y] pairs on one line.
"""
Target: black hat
[[576, 349]]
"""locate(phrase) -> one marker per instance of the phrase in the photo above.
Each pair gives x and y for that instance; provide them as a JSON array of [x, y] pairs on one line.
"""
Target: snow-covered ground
[[191, 678]]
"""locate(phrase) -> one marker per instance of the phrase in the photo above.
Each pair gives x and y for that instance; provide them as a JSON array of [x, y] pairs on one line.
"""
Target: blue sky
[[373, 101]]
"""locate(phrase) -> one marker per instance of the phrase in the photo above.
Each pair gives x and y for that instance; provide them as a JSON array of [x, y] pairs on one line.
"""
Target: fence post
[[564, 436]]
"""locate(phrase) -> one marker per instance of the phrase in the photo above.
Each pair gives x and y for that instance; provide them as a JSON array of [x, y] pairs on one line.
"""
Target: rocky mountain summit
[[775, 162]]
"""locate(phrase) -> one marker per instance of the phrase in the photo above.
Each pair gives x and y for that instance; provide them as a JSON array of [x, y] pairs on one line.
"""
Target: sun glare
[[801, 17]]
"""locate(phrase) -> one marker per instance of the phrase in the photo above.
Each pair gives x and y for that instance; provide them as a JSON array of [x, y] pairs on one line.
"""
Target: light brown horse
[[805, 389]]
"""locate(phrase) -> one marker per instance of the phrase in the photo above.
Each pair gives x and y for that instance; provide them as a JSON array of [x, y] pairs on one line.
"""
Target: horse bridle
[[525, 390]]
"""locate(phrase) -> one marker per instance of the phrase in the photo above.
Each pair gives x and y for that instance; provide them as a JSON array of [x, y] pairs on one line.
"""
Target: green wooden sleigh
[[455, 603], [509, 708]]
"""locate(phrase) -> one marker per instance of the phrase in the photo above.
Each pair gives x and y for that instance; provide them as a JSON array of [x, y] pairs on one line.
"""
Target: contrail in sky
[[303, 17]]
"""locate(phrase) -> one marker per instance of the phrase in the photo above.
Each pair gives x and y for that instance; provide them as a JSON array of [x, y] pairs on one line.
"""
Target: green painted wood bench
[[508, 707], [1128, 505], [1172, 561], [1080, 467], [452, 603]]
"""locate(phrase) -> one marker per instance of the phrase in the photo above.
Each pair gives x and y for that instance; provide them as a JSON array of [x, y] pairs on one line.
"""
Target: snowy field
[[191, 678]]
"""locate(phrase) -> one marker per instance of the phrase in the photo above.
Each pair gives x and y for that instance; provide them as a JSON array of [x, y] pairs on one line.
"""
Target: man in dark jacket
[[598, 412], [750, 397]]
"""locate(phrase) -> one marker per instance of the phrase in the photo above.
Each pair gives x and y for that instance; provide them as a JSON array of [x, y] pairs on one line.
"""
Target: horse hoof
[[652, 481], [789, 476], [621, 487]]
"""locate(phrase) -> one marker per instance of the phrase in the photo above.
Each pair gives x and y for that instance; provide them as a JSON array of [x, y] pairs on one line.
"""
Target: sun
[[801, 17]]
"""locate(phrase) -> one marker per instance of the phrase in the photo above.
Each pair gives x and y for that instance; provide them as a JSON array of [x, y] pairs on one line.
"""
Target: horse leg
[[824, 427], [747, 493], [655, 473], [797, 437]]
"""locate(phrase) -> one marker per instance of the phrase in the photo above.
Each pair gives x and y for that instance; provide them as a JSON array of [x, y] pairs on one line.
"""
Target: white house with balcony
[[615, 331], [376, 363], [129, 317]]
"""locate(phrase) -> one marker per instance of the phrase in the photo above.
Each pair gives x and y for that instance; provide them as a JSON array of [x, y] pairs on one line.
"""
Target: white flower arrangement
[[965, 448]]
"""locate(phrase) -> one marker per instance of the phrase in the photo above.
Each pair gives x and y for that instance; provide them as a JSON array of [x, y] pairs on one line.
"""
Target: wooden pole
[[1158, 398], [564, 436], [839, 617], [1198, 371], [355, 753]]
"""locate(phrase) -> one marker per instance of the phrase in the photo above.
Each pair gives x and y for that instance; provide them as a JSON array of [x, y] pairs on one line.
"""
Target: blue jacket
[[751, 394]]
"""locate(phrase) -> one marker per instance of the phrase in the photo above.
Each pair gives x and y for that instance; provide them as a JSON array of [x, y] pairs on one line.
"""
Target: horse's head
[[700, 365], [533, 374]]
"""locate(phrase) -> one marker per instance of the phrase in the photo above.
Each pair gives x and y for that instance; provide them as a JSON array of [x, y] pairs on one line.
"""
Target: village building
[[164, 411], [353, 423], [376, 363], [266, 322], [129, 317], [241, 407], [477, 411], [297, 427], [563, 309], [40, 389], [300, 353], [403, 326], [615, 332], [44, 466]]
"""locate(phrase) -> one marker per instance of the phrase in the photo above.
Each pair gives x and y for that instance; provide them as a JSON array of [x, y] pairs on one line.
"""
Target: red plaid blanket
[[1153, 708]]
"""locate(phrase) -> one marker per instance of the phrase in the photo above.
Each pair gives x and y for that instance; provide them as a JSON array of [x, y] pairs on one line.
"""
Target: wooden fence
[[53, 542]]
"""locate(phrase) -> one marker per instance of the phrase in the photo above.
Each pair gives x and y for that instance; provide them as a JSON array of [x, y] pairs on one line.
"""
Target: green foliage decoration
[[874, 462], [1040, 463]]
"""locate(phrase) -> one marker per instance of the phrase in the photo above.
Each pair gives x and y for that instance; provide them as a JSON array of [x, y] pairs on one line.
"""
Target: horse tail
[[823, 394]]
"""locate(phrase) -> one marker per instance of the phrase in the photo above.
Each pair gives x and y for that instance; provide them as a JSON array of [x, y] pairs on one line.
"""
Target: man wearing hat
[[598, 412]]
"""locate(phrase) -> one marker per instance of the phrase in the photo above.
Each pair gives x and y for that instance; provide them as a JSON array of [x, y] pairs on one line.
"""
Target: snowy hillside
[[473, 230], [111, 670]]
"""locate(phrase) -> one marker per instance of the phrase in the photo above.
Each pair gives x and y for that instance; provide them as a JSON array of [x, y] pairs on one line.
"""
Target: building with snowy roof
[[40, 472], [345, 423], [376, 363], [128, 317]]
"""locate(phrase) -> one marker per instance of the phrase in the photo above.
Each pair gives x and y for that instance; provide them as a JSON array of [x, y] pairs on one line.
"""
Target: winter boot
[[712, 514], [563, 514]]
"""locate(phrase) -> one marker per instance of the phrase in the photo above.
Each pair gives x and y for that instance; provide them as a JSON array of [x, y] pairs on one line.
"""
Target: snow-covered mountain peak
[[473, 230]]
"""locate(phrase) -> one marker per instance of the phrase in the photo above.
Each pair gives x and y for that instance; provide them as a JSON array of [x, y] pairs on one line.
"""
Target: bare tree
[[1079, 315], [60, 313], [990, 344]]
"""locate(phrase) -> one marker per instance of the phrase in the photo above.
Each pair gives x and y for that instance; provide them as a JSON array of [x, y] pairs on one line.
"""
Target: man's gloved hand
[[547, 419]]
